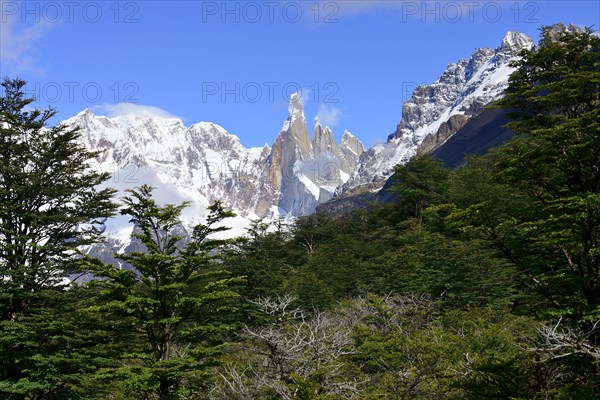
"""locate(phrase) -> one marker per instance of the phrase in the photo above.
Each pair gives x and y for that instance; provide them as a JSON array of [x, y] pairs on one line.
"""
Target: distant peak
[[209, 126], [295, 107], [348, 138], [352, 146], [296, 100], [84, 112], [347, 134], [317, 121], [514, 41], [560, 27]]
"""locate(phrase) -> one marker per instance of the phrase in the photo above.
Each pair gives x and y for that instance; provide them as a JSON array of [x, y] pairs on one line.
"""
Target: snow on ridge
[[256, 152]]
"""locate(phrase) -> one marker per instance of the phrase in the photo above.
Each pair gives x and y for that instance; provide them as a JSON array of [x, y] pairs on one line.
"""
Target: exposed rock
[[323, 141], [480, 133], [204, 163], [306, 173], [352, 149], [359, 197], [447, 129]]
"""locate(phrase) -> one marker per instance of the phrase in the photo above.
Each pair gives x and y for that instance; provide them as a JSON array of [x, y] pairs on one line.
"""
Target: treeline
[[478, 283]]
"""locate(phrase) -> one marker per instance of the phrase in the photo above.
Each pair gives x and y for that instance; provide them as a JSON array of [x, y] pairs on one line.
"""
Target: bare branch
[[558, 341]]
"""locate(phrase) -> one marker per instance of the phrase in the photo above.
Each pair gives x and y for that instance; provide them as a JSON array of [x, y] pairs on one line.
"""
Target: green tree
[[49, 207], [459, 271], [180, 301], [419, 183], [537, 201], [262, 258], [414, 348], [554, 159], [49, 201], [335, 251]]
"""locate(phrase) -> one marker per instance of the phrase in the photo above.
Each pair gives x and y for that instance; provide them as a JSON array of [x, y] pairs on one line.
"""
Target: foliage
[[50, 205], [555, 92], [180, 301], [420, 183]]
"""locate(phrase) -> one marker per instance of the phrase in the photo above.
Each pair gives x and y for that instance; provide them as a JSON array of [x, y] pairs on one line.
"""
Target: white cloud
[[18, 45], [119, 109], [329, 115], [304, 96]]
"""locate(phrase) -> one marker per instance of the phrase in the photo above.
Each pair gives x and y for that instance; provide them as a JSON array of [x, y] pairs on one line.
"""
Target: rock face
[[291, 148], [446, 129], [464, 88], [304, 173], [292, 143], [201, 162], [352, 149], [360, 197], [480, 133], [324, 142]]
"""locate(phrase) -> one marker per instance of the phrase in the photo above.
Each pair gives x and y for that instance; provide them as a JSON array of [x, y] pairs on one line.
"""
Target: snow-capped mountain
[[202, 163], [436, 111]]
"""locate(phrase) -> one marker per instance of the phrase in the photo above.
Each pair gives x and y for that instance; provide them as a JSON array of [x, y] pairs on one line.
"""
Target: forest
[[476, 283]]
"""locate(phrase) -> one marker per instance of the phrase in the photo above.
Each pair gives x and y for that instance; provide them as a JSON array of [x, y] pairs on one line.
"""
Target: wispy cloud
[[329, 115], [18, 45], [304, 96], [120, 109]]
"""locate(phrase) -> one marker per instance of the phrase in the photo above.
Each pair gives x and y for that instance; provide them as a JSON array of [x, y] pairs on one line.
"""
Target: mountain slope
[[481, 133], [463, 89]]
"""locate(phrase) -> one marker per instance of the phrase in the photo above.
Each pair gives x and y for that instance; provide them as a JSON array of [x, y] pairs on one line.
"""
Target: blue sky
[[235, 62]]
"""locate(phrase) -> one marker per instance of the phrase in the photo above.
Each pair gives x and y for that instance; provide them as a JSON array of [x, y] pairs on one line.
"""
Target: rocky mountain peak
[[293, 143], [295, 107], [323, 140], [513, 42], [291, 149], [352, 149], [477, 60], [265, 151]]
